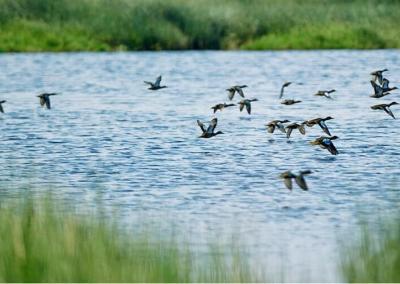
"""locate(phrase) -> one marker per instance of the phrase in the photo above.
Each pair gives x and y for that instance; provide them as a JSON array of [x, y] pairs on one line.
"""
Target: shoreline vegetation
[[104, 25]]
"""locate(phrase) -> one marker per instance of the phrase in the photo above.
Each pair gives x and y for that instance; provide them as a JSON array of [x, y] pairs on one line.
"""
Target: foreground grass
[[102, 25], [39, 244], [376, 258]]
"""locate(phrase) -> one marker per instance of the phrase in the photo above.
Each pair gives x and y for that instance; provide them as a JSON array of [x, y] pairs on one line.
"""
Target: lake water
[[108, 134]]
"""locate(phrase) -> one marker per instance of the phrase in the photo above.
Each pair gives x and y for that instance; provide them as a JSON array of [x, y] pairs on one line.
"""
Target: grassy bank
[[101, 25], [41, 244]]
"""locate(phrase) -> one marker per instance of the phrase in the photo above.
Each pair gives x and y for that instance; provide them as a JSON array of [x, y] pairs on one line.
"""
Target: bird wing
[[282, 89], [241, 106], [231, 94], [47, 101], [322, 124], [301, 182], [158, 81], [248, 107], [271, 128], [1, 108], [288, 183], [380, 77], [302, 129], [377, 88], [149, 83], [240, 91], [281, 127], [212, 126], [288, 132], [42, 101], [385, 83], [329, 146], [201, 125], [389, 112]]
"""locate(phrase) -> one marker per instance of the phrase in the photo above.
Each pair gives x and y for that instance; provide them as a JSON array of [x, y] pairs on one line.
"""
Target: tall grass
[[41, 242], [375, 257], [55, 25]]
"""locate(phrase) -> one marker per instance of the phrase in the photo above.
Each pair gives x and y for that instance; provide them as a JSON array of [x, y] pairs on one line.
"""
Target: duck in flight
[[276, 124], [299, 179], [45, 99], [220, 107], [379, 92], [209, 131], [290, 102], [1, 106], [325, 93], [321, 122], [246, 103], [286, 84], [293, 126], [326, 143], [156, 85], [385, 108], [378, 75], [236, 89]]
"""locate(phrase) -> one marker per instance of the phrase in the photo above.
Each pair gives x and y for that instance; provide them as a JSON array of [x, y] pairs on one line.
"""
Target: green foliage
[[41, 242], [197, 24]]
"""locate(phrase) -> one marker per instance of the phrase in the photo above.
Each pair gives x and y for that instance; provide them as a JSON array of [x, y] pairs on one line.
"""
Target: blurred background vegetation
[[104, 25]]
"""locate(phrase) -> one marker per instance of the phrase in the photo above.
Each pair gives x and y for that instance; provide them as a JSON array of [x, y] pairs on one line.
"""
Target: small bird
[[286, 84], [326, 143], [385, 86], [300, 180], [246, 103], [156, 85], [209, 132], [236, 89], [325, 93], [290, 102], [385, 107], [379, 92], [320, 122], [221, 106], [293, 126], [45, 99], [378, 75], [1, 106], [276, 124]]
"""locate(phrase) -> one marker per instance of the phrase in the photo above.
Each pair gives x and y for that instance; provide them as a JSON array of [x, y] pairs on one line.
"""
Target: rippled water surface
[[108, 134]]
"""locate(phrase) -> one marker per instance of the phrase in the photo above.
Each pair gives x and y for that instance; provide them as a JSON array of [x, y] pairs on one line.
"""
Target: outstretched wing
[[288, 132], [241, 106], [281, 127], [1, 108], [149, 83], [212, 126], [271, 128], [330, 147], [248, 107], [158, 81], [231, 93], [201, 125], [301, 182], [302, 129], [42, 101], [288, 183], [47, 101], [389, 112], [377, 88], [322, 124], [240, 91], [385, 83]]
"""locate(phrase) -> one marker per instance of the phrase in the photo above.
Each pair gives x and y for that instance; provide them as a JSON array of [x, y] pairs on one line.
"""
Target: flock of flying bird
[[381, 89]]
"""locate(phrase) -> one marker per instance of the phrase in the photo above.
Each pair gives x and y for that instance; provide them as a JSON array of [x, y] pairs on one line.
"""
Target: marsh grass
[[97, 25], [375, 257], [42, 243]]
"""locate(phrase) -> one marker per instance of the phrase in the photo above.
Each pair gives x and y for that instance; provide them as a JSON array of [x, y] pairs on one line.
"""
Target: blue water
[[108, 134]]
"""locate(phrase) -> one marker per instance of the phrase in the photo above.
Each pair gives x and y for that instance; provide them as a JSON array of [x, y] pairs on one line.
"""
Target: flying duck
[[221, 106], [286, 84], [45, 99], [379, 92], [209, 132], [326, 143], [1, 106], [300, 180], [236, 89], [320, 122], [156, 85], [385, 107], [276, 124], [290, 102], [293, 126], [385, 86], [325, 93], [378, 75], [246, 103]]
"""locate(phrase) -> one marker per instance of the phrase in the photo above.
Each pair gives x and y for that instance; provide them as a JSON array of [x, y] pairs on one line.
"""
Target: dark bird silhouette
[[236, 89], [293, 126], [220, 107], [1, 106], [286, 84], [325, 93], [385, 86], [290, 102], [377, 75], [156, 85], [320, 122], [45, 99], [246, 103], [271, 126], [326, 143], [385, 108], [300, 180], [209, 132], [379, 92]]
